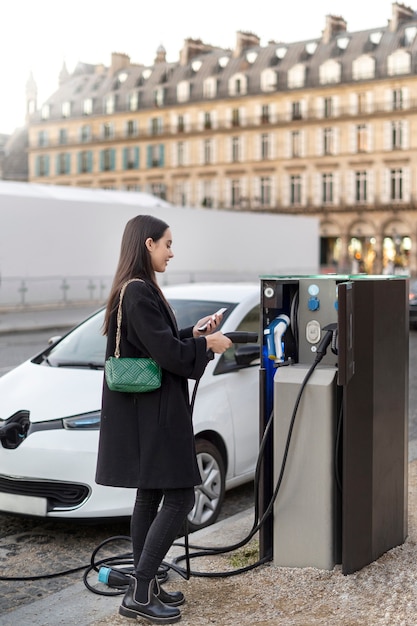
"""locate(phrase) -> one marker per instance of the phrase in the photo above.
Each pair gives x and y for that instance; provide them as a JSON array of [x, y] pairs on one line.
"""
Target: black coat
[[147, 439]]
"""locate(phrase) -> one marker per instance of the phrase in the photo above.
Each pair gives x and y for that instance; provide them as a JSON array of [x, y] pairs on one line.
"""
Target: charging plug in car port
[[14, 430]]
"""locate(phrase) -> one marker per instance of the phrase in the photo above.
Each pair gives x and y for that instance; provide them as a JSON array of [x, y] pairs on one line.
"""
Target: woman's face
[[160, 251]]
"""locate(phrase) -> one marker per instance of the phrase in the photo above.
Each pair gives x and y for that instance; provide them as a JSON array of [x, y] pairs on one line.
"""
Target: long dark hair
[[134, 259]]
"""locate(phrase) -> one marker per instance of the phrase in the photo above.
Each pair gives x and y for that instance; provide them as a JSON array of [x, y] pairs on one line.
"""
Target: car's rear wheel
[[210, 494]]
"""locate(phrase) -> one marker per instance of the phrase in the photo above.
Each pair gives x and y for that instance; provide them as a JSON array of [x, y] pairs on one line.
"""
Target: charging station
[[334, 404]]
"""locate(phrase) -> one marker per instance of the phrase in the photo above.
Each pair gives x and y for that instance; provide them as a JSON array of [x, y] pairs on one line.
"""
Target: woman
[[146, 440]]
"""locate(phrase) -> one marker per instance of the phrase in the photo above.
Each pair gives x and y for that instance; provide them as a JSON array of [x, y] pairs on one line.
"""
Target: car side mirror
[[245, 354]]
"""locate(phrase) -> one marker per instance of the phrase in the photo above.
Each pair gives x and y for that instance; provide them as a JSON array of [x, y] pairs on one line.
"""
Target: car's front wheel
[[210, 494]]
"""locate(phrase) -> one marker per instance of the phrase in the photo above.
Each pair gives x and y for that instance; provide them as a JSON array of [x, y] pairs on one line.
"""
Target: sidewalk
[[27, 319], [382, 594]]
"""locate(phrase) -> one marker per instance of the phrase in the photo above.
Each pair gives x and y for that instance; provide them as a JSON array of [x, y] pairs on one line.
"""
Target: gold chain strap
[[119, 316]]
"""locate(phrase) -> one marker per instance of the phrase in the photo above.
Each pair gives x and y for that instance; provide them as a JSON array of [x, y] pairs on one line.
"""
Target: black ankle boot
[[153, 610], [172, 598]]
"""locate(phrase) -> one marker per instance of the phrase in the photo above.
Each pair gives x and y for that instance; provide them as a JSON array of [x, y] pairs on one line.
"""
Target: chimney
[[334, 24], [400, 13], [192, 48], [119, 61], [243, 41]]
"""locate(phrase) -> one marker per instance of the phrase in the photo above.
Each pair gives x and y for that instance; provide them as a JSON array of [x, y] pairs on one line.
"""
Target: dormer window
[[238, 85], [363, 67], [110, 104], [280, 52], [269, 80], [159, 96], [399, 62], [297, 76], [330, 72], [375, 38], [66, 109], [196, 65], [223, 61], [311, 47], [45, 112], [343, 42], [183, 91], [88, 106], [409, 35], [210, 87], [251, 56]]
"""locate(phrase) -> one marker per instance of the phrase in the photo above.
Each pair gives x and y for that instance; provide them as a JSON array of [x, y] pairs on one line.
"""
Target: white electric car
[[50, 416]]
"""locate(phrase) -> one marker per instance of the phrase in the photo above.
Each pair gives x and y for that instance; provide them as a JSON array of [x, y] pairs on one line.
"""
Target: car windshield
[[85, 346]]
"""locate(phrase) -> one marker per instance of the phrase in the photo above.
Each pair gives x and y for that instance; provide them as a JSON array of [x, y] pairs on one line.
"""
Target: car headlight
[[85, 421]]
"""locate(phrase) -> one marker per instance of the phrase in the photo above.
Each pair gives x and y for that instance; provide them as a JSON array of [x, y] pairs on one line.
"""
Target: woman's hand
[[218, 343], [207, 325]]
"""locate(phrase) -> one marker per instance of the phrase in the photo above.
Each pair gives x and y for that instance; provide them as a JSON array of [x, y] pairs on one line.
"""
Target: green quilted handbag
[[131, 375]]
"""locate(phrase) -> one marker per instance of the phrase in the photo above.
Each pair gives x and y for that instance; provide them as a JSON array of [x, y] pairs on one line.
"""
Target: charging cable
[[202, 551]]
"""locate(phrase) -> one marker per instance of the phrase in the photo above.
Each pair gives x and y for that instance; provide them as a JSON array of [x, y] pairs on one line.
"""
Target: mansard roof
[[122, 78]]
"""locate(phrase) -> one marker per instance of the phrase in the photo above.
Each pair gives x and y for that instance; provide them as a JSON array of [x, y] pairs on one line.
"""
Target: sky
[[40, 36]]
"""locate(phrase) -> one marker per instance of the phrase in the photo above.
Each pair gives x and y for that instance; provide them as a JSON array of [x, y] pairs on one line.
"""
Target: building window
[[330, 72], [180, 153], [42, 165], [235, 117], [207, 120], [265, 189], [134, 100], [265, 146], [207, 200], [131, 128], [235, 149], [399, 62], [210, 88], [107, 130], [265, 114], [328, 107], [180, 194], [295, 189], [208, 150], [63, 163], [296, 110], [397, 99], [327, 188], [235, 193], [110, 104], [88, 106], [159, 96], [361, 138], [66, 109], [107, 160], [295, 143], [296, 76], [85, 133], [180, 124], [328, 143], [131, 158], [155, 155], [62, 136], [397, 184], [159, 190], [42, 138], [155, 126], [362, 102], [397, 135], [85, 162], [45, 112], [361, 186]]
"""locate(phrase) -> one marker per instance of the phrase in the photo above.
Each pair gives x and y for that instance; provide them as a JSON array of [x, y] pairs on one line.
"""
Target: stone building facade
[[325, 127]]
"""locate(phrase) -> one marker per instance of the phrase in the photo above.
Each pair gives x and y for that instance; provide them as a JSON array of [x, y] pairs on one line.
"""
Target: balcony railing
[[312, 116]]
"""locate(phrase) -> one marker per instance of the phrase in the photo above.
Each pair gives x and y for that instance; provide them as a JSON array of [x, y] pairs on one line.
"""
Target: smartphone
[[219, 312]]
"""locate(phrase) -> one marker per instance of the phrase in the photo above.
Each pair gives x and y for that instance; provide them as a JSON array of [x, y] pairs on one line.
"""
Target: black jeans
[[152, 531]]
